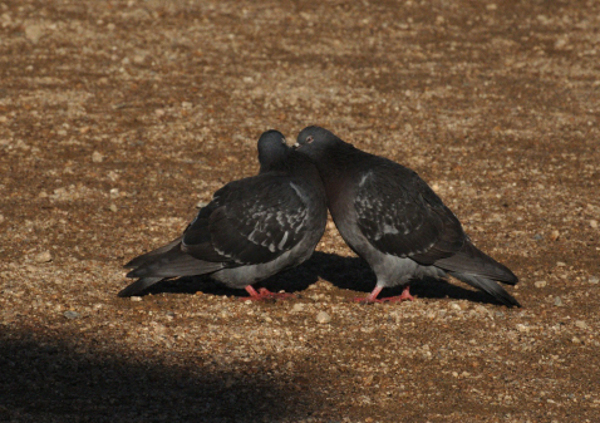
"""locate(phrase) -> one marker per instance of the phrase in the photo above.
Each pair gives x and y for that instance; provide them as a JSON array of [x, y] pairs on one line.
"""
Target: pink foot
[[264, 294], [405, 296], [372, 297]]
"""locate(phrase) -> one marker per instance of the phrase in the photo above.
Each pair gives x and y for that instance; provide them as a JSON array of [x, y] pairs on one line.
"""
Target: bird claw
[[399, 298], [372, 298], [405, 296], [264, 294]]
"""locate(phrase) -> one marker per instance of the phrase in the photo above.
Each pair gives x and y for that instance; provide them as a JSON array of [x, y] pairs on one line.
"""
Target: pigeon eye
[[310, 139]]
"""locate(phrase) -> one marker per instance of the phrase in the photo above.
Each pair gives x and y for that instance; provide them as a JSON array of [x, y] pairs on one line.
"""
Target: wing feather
[[400, 215], [254, 220]]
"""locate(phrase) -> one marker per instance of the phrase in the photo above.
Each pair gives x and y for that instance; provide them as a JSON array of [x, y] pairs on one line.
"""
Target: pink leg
[[263, 294], [372, 297]]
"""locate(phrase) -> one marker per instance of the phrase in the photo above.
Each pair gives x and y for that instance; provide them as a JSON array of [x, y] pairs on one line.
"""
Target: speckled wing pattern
[[250, 221], [400, 215]]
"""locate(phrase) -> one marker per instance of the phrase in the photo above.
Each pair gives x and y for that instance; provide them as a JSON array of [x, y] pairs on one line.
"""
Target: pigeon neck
[[338, 162]]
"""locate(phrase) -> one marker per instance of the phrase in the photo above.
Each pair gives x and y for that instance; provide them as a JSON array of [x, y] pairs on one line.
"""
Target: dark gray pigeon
[[390, 217], [252, 229]]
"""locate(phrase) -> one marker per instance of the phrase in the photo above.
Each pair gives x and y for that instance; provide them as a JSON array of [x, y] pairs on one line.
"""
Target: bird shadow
[[350, 273], [59, 379], [353, 273], [296, 279]]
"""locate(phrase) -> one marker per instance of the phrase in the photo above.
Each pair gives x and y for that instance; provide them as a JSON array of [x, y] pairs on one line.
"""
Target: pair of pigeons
[[258, 226]]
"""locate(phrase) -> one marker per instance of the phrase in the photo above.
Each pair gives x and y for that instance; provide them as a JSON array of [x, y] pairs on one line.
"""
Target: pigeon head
[[315, 142], [272, 149]]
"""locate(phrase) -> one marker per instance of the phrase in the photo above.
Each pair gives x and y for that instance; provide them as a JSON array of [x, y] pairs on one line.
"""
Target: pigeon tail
[[170, 267], [474, 262], [144, 259], [488, 286], [138, 286], [154, 267], [479, 270]]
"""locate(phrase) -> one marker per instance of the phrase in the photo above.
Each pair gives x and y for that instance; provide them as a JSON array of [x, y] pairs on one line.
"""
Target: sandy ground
[[118, 117]]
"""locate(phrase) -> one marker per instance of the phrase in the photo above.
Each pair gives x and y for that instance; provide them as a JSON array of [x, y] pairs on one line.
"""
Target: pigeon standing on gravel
[[252, 229], [391, 218]]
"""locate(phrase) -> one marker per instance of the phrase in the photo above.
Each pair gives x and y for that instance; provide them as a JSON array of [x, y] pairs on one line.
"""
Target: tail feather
[[170, 266], [489, 286], [474, 262], [138, 286], [165, 263], [144, 258]]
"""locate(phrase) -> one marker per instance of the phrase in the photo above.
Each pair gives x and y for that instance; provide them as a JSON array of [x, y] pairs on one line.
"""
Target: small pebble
[[561, 43], [97, 157], [594, 280], [323, 317], [34, 32], [297, 308], [594, 224], [538, 237], [581, 324], [135, 299], [44, 257], [481, 309], [139, 59], [540, 284], [455, 306], [554, 235], [71, 315], [113, 208], [558, 302]]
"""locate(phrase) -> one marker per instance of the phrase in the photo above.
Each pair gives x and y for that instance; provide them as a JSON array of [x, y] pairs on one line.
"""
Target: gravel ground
[[118, 117]]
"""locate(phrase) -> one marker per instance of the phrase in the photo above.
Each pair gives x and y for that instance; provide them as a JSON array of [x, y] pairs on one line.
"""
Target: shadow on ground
[[52, 380], [351, 273], [355, 274]]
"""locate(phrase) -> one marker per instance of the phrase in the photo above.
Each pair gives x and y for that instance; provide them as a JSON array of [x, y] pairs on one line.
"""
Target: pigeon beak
[[296, 146]]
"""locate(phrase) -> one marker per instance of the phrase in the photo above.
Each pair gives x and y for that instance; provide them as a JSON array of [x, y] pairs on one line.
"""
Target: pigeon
[[391, 218], [252, 229]]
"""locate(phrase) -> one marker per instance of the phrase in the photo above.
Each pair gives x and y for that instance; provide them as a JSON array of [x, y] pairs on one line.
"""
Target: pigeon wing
[[250, 221], [399, 214]]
